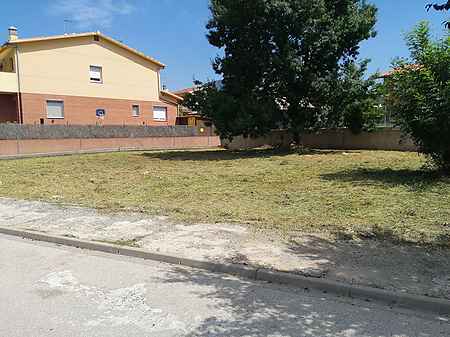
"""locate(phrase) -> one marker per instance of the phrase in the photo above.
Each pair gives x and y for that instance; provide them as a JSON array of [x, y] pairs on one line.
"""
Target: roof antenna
[[66, 24]]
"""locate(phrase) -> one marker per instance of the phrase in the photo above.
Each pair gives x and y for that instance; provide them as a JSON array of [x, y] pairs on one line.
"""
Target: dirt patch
[[404, 268]]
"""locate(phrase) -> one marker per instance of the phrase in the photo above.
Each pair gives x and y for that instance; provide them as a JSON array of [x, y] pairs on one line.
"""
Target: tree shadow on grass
[[215, 155], [246, 308], [387, 235], [220, 155], [413, 179]]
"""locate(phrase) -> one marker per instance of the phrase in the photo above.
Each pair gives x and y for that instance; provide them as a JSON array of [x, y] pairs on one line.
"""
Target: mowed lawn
[[359, 194]]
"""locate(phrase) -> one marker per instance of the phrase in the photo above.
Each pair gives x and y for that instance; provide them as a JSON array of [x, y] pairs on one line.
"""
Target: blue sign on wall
[[100, 113]]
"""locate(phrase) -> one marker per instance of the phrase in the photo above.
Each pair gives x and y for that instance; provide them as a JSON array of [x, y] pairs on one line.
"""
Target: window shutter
[[55, 109], [159, 113], [95, 73]]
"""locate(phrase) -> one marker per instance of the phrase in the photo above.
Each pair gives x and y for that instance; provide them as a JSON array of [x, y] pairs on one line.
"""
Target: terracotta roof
[[399, 69], [102, 36], [184, 91], [172, 95]]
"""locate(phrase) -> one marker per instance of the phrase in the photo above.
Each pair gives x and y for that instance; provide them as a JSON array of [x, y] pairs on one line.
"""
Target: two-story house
[[81, 79]]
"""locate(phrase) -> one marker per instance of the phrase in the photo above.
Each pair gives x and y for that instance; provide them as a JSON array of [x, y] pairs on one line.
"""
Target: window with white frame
[[55, 109], [160, 113], [136, 111], [95, 74]]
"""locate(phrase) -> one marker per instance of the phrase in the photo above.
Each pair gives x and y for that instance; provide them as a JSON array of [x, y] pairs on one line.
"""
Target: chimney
[[12, 33]]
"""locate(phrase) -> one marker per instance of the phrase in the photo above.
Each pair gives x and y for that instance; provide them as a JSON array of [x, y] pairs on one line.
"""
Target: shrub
[[418, 93]]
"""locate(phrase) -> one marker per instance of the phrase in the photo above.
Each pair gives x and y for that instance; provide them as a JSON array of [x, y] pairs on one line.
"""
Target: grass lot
[[349, 194]]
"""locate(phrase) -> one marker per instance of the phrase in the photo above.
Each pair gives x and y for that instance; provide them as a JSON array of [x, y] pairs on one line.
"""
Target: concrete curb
[[402, 300]]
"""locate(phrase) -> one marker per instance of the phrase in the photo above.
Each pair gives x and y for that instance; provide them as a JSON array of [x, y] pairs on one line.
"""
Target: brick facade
[[82, 111]]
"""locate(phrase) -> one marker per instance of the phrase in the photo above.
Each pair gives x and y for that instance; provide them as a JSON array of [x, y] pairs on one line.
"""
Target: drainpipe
[[19, 93], [159, 85]]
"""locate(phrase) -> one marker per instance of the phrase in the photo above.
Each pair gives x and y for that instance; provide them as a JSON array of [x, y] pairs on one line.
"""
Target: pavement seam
[[394, 299]]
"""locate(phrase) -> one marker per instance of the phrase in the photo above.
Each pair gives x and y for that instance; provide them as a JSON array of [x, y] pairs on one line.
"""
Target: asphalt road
[[48, 290]]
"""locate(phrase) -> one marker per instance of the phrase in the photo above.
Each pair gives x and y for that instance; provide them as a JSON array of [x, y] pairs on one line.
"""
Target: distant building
[[81, 79], [388, 116], [187, 116]]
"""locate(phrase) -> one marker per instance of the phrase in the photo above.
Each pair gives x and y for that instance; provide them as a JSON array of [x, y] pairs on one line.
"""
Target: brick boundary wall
[[23, 131], [29, 140], [390, 139], [338, 139], [24, 140], [29, 147]]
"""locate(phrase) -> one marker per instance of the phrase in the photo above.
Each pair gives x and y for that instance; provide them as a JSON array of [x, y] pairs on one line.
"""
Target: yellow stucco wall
[[61, 67], [8, 82]]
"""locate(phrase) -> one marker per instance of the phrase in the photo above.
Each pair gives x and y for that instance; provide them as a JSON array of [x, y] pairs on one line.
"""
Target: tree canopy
[[440, 7], [281, 61], [418, 93]]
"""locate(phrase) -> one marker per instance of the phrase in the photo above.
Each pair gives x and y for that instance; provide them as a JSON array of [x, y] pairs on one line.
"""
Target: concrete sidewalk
[[47, 290], [412, 270]]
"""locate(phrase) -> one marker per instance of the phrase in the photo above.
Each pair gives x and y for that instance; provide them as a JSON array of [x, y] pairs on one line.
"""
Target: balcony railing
[[8, 82]]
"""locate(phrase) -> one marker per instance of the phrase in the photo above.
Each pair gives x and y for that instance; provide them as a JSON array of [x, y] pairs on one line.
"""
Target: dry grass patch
[[358, 193]]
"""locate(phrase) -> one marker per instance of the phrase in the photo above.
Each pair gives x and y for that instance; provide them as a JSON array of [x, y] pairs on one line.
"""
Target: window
[[136, 111], [160, 113], [55, 109], [95, 74], [7, 65]]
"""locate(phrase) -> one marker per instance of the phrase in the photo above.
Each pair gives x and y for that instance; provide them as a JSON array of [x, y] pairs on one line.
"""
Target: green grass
[[365, 194]]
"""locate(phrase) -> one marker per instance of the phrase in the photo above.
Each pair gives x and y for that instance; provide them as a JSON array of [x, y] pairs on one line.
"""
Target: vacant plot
[[364, 194]]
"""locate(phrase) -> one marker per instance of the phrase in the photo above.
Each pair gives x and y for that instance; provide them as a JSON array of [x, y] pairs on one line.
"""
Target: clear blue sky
[[173, 31]]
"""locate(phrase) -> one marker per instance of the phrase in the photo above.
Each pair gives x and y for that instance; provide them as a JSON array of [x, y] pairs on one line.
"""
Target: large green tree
[[280, 61], [418, 93], [354, 101]]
